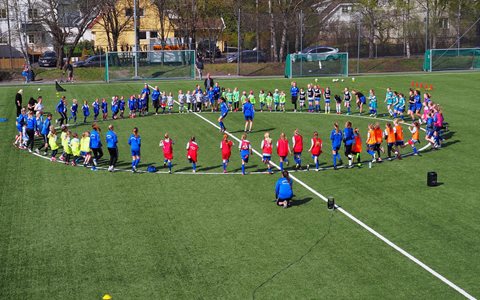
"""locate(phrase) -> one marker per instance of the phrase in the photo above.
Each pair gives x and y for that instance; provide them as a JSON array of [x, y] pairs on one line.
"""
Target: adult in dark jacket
[[208, 83], [18, 101]]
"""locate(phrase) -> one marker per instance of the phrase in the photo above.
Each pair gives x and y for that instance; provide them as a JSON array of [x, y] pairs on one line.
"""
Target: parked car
[[92, 61], [247, 56], [208, 48], [326, 53], [48, 59]]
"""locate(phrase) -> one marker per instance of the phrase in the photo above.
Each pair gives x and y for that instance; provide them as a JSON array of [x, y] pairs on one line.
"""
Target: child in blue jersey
[[44, 133], [121, 106], [284, 190], [248, 113], [336, 137], [39, 122], [96, 109], [135, 142], [104, 109], [114, 107], [245, 151], [86, 111], [389, 99], [112, 140], [132, 106], [223, 114], [349, 141], [400, 106], [95, 145], [30, 128], [73, 111], [418, 104], [145, 95], [211, 98], [139, 107], [373, 103], [61, 109], [156, 99], [327, 94]]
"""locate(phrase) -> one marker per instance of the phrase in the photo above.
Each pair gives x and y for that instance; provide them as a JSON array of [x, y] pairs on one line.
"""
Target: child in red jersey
[[192, 153], [167, 146], [226, 147], [283, 149]]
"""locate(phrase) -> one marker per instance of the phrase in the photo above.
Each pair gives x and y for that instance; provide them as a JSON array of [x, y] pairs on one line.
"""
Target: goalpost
[[452, 59], [316, 64], [163, 64]]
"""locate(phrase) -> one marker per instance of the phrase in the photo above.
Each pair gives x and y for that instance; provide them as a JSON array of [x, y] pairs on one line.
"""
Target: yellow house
[[148, 23]]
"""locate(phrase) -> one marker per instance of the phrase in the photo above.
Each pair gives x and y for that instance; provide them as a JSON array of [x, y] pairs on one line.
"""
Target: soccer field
[[69, 232]]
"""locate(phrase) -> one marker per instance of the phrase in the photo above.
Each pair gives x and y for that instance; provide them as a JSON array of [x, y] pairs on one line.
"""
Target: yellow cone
[[107, 297]]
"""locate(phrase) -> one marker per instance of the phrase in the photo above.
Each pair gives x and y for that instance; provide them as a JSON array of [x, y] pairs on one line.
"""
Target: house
[[148, 27], [20, 25]]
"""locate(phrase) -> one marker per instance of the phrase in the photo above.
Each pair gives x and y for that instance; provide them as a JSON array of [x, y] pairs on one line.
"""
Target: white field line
[[366, 227]]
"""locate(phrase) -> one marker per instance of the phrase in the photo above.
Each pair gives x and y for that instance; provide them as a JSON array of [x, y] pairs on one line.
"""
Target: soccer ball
[[342, 80], [353, 79], [39, 89], [316, 79]]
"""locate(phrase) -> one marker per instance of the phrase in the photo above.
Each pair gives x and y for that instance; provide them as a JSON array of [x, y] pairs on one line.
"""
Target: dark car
[[247, 56], [92, 61], [48, 59]]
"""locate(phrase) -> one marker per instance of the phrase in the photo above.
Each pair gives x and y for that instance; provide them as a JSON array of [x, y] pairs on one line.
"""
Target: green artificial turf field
[[70, 232]]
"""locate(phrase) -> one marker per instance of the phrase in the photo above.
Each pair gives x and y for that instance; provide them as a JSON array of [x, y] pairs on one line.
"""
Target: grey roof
[[5, 52]]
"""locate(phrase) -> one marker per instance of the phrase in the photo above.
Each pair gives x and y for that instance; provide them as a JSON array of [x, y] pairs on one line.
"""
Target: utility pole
[[9, 34], [135, 29], [358, 45], [238, 43], [427, 25]]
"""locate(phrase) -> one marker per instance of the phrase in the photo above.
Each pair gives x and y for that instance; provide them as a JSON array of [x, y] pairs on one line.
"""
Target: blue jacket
[[224, 108], [348, 136], [31, 123], [155, 95], [95, 141], [111, 139], [283, 189], [336, 138], [134, 142], [60, 106], [46, 127], [294, 91], [146, 91], [248, 109]]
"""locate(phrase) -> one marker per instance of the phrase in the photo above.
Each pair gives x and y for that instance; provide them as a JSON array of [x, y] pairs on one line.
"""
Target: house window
[[3, 13], [31, 39], [153, 34], [3, 38], [129, 12], [346, 9], [142, 35], [32, 13], [444, 23]]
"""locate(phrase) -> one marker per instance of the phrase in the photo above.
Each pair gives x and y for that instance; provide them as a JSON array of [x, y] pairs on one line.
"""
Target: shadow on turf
[[299, 202], [254, 131]]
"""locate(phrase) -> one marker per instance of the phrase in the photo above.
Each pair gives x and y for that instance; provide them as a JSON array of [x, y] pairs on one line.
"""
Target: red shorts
[[168, 156], [226, 155]]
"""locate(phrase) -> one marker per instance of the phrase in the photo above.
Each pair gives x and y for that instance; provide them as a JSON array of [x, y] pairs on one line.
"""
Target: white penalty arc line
[[365, 226]]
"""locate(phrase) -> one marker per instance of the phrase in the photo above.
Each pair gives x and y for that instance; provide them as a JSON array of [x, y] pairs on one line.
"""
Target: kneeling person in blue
[[284, 190], [248, 113]]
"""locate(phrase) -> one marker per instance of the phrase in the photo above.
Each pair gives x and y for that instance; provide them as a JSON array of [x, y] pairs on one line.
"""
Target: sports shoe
[[45, 153], [193, 171], [287, 162], [224, 171], [93, 168], [308, 167], [29, 150], [37, 151]]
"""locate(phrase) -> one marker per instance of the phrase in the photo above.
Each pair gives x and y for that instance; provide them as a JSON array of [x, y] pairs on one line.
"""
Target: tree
[[67, 21], [114, 20]]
